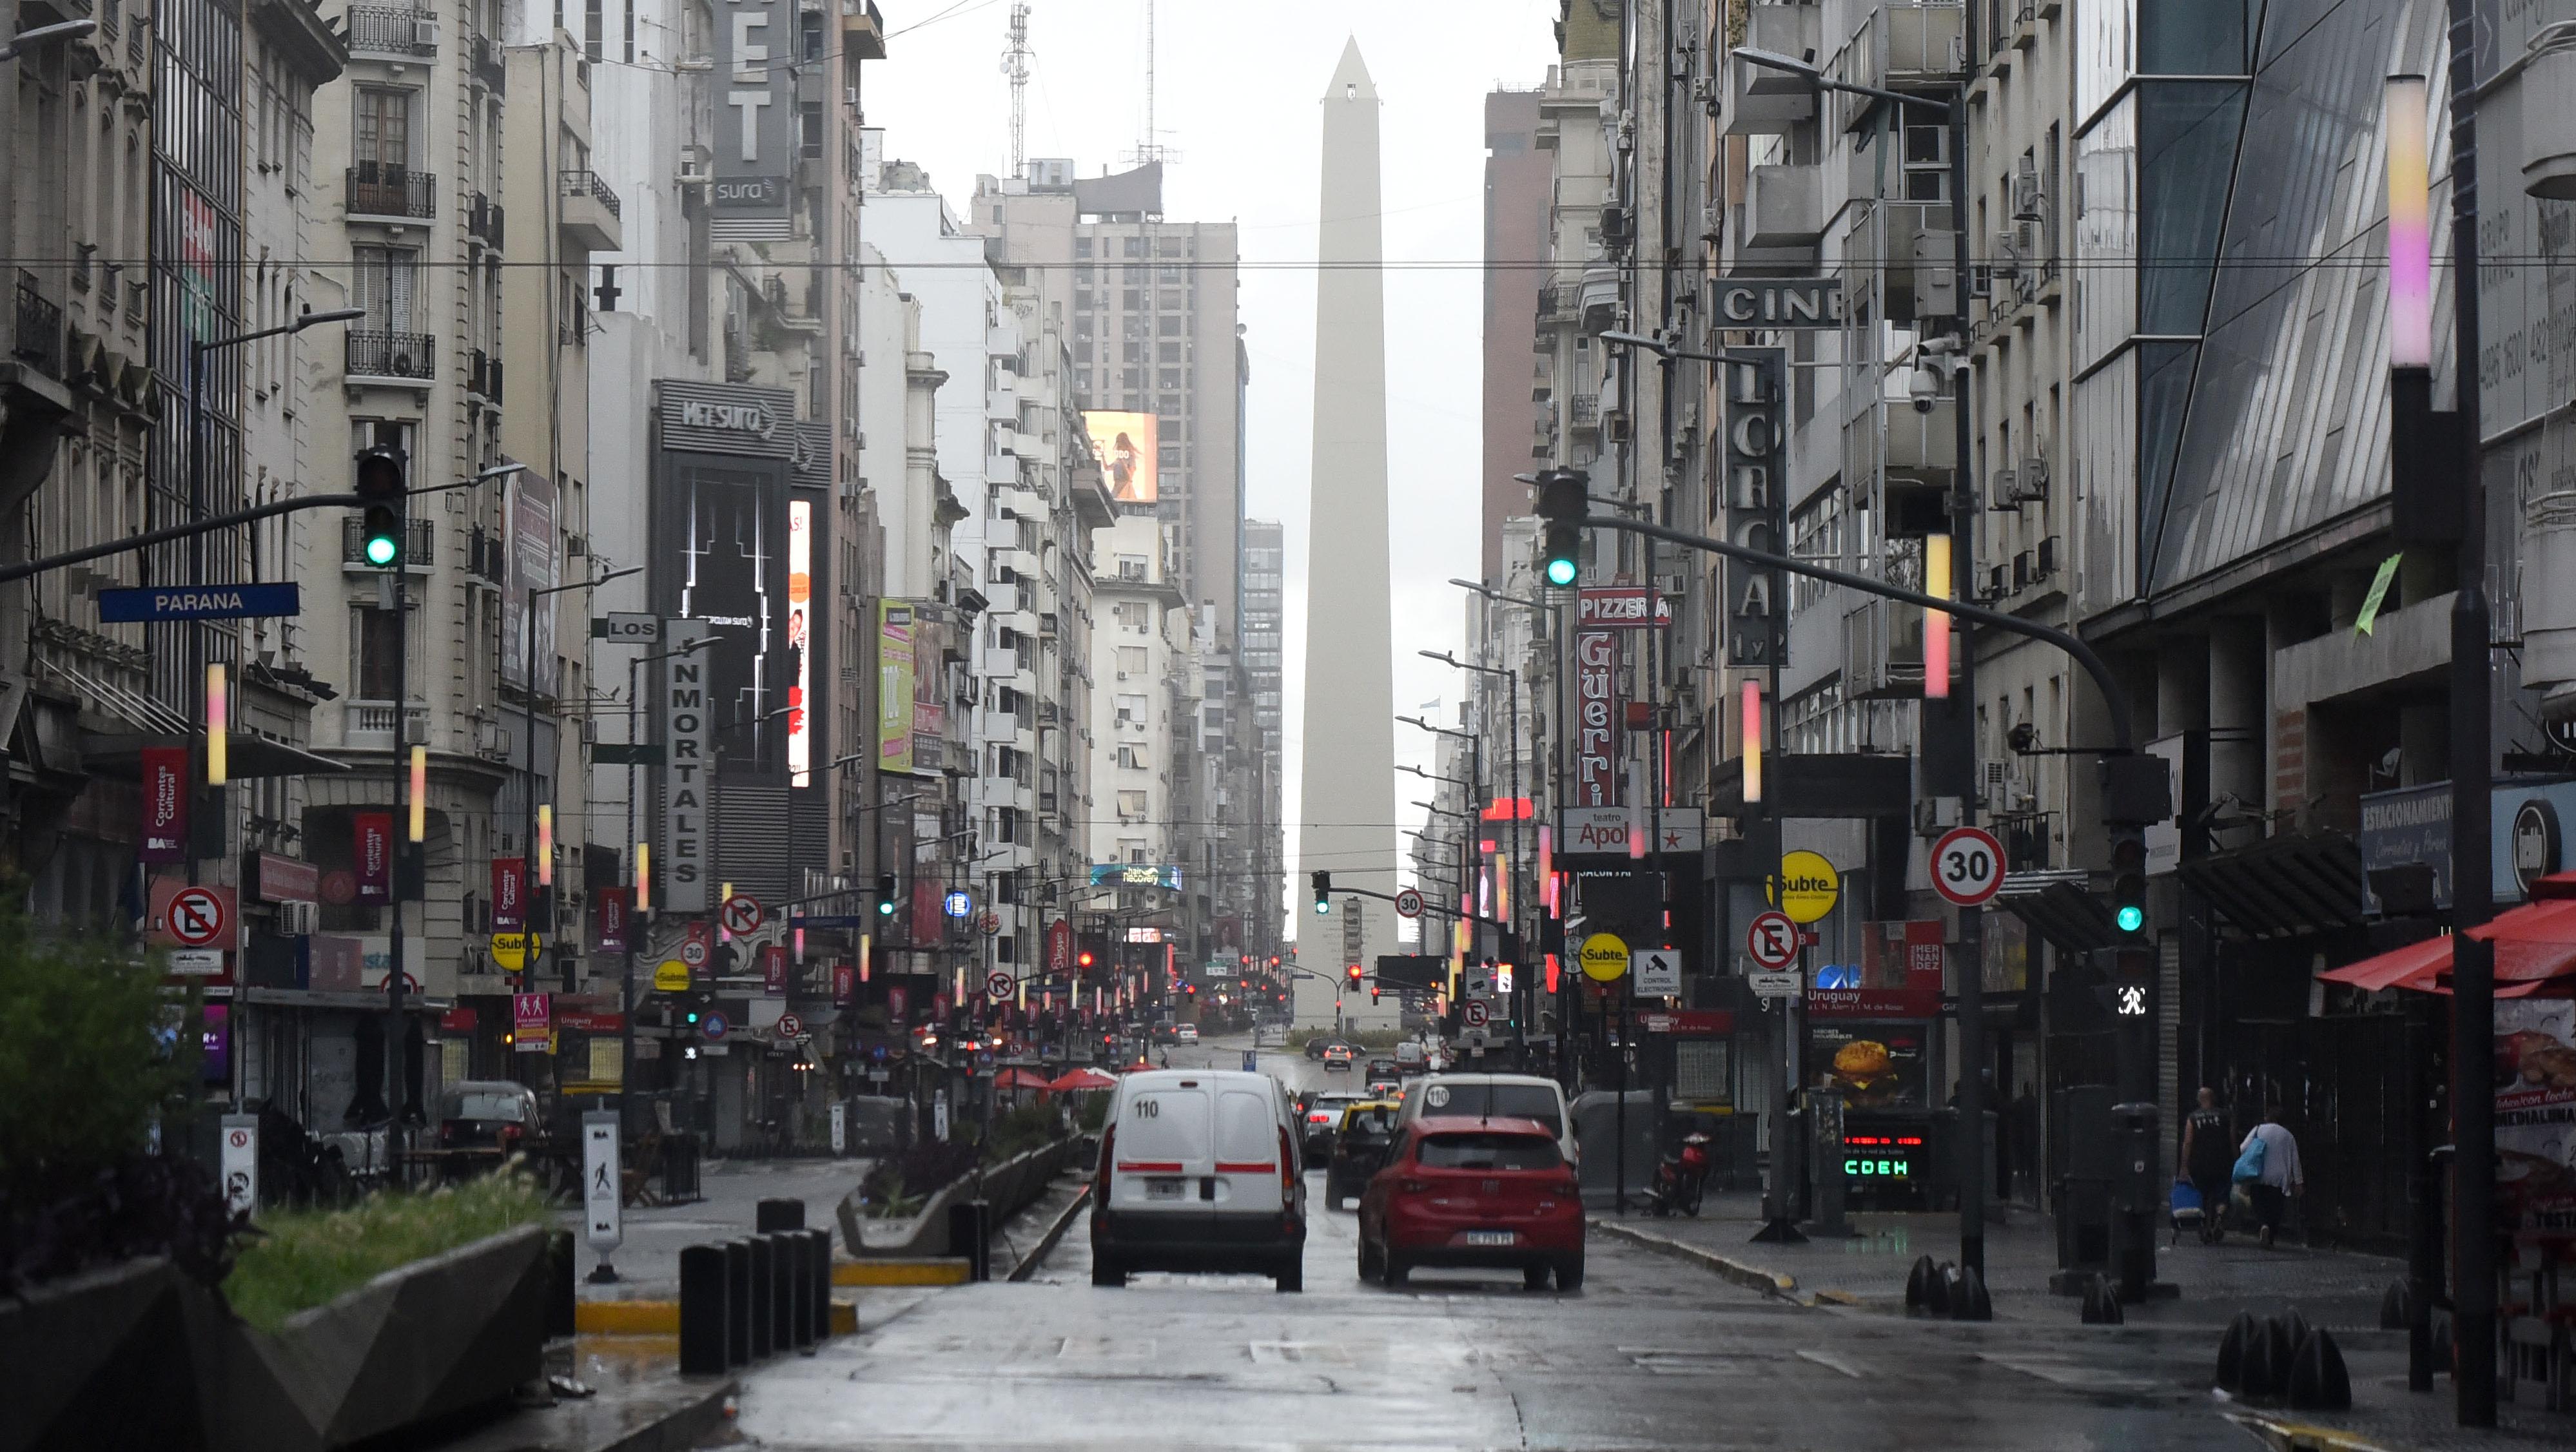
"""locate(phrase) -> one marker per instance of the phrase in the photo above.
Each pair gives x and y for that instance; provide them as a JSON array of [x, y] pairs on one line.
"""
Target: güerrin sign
[[198, 602]]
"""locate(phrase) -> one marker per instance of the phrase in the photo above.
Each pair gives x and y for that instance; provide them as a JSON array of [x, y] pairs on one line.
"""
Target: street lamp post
[[198, 348], [15, 45]]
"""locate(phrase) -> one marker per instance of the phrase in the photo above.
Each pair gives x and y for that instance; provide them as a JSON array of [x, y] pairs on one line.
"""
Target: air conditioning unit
[[424, 33], [298, 919], [2031, 482], [577, 546], [2007, 253], [415, 725], [2026, 199], [2021, 571], [2005, 490], [1712, 221], [850, 95], [490, 742]]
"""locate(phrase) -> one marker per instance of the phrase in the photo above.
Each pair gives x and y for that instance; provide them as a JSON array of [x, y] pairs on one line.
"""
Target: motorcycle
[[1680, 1177]]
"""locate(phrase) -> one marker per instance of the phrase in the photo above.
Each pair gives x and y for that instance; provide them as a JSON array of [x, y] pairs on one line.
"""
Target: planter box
[[1009, 1186], [138, 1355]]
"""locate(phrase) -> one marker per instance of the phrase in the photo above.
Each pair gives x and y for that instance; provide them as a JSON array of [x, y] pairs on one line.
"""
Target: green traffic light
[[1323, 909], [381, 550], [885, 909], [2131, 917], [1560, 572]]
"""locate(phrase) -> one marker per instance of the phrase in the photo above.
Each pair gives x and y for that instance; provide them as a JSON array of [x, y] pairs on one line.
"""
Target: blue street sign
[[958, 904], [1251, 1062], [198, 602], [712, 1027]]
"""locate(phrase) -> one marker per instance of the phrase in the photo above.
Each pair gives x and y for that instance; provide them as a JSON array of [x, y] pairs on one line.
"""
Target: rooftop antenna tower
[[1015, 64], [1149, 147]]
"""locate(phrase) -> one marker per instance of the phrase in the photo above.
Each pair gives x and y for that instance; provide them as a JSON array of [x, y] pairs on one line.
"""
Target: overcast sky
[[1237, 86]]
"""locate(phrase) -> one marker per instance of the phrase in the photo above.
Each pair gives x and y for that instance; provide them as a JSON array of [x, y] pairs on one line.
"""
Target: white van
[[1199, 1171], [1495, 1096]]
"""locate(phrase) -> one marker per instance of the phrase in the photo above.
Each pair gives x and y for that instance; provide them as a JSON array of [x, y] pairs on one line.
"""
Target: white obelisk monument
[[1346, 807]]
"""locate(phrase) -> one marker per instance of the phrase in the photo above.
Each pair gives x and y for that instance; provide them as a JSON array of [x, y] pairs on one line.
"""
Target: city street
[[1652, 1353]]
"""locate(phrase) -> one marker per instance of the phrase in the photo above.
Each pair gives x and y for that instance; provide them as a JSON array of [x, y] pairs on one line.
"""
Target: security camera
[[1923, 387]]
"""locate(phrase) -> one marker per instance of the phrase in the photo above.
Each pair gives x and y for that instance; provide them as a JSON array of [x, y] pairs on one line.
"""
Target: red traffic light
[[1082, 959], [1354, 971]]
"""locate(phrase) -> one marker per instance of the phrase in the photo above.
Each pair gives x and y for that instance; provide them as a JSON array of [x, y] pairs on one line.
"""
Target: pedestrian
[[2267, 1165], [2206, 1164]]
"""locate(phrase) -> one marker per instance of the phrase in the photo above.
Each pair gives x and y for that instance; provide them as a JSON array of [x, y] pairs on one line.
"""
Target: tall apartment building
[[1265, 605], [1517, 385]]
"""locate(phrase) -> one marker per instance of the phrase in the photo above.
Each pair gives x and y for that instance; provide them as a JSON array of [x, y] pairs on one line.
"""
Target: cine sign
[[1780, 302]]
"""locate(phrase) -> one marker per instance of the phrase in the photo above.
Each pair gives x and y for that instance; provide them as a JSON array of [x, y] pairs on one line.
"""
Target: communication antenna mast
[[1149, 147], [1015, 64]]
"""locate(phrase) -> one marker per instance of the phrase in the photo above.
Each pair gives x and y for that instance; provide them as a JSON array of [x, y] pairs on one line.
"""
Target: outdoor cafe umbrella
[[2535, 950], [1080, 1079], [1019, 1078]]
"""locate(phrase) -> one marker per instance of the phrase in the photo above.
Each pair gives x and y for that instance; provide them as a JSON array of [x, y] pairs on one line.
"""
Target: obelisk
[[1346, 807]]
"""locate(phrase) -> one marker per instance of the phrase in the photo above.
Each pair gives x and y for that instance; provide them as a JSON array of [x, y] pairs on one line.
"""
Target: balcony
[[1783, 216], [1762, 102], [591, 213], [400, 360], [392, 195], [369, 725], [36, 329], [483, 221], [420, 541], [1600, 297], [862, 30], [399, 34], [1883, 650], [1903, 47]]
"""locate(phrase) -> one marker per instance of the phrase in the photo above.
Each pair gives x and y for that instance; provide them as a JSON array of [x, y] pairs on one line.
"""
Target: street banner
[[845, 982], [165, 805], [840, 1127], [894, 686], [773, 970], [2535, 1054], [509, 894], [614, 905], [1596, 714], [373, 854], [601, 1197], [1059, 946]]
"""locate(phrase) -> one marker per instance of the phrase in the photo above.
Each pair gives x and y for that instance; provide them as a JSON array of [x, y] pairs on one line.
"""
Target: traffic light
[[1562, 506], [885, 894], [1323, 894], [2128, 884], [383, 482], [1354, 971], [1082, 960], [1373, 992]]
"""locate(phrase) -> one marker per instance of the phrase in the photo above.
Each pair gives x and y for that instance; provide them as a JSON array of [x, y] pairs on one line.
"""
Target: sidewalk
[[648, 1264], [2339, 1289]]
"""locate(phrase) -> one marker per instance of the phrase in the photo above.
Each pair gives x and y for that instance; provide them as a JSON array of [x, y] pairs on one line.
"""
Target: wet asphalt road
[[1652, 1353]]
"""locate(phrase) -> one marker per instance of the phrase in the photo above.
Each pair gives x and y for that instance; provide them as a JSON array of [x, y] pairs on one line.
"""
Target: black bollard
[[819, 1266], [782, 1293], [797, 1295], [2102, 1303], [1968, 1298], [2267, 1360], [1919, 1282], [560, 1277], [737, 1302], [969, 1235], [702, 1311], [771, 1215], [2233, 1347], [2395, 1307], [764, 1296], [2297, 1327], [2318, 1380]]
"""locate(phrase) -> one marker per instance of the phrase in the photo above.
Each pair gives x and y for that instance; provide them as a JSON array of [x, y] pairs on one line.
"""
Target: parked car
[[1359, 1149], [1337, 1056], [1462, 1191], [1199, 1171], [1185, 1033], [1475, 1096]]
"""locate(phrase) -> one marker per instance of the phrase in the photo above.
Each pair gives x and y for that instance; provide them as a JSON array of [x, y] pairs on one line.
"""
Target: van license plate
[[1489, 1237], [1165, 1188]]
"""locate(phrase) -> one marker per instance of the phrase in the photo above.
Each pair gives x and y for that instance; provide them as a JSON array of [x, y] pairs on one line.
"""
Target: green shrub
[[308, 1258], [1019, 1130], [89, 1056]]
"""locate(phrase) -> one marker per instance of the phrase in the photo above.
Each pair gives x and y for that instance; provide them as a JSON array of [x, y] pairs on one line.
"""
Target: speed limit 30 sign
[[1967, 865]]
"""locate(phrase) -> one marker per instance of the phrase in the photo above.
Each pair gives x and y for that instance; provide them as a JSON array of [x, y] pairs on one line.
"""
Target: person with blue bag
[[2267, 1165]]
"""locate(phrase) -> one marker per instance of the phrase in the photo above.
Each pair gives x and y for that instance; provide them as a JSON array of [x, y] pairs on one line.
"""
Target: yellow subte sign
[[1604, 957], [1808, 886]]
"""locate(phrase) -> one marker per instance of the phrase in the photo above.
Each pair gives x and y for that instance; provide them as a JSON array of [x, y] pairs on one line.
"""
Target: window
[[1132, 806], [383, 136], [1131, 662], [1132, 757], [1167, 353], [385, 278], [1487, 1152], [378, 669], [1168, 326]]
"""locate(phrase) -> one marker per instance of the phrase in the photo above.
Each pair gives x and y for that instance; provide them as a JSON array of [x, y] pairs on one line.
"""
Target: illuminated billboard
[[800, 636], [1127, 445], [894, 686]]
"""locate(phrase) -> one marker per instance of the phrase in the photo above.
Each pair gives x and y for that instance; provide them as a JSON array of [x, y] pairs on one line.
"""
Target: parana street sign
[[198, 602]]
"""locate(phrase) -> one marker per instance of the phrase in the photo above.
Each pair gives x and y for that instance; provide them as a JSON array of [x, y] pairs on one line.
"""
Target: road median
[[1743, 1273]]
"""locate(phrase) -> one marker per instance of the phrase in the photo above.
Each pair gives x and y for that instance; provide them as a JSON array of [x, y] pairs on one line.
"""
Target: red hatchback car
[[1465, 1191]]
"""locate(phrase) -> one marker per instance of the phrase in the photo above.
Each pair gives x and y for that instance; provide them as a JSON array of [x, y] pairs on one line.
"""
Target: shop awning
[[2059, 905], [2284, 886], [2535, 950]]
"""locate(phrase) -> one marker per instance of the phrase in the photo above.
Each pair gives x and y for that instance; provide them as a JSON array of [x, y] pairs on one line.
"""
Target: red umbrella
[[1080, 1079], [2535, 944], [1018, 1078]]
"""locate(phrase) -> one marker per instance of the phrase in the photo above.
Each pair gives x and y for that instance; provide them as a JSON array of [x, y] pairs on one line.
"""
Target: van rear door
[[1249, 1177], [1162, 1150]]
